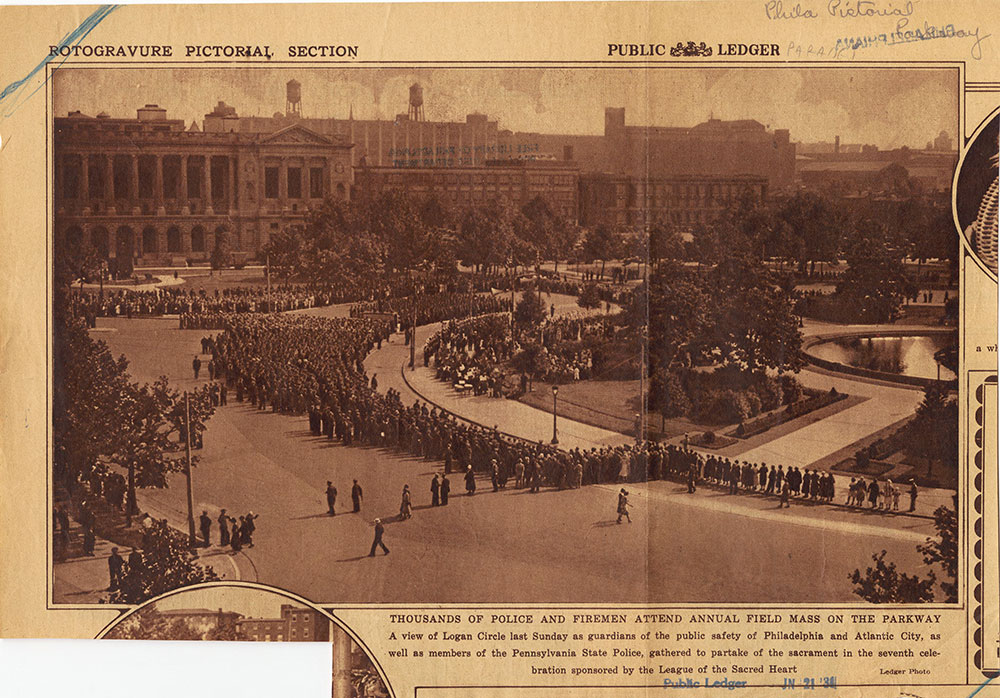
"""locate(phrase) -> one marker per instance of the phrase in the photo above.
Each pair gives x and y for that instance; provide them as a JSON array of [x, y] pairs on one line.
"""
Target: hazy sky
[[887, 107]]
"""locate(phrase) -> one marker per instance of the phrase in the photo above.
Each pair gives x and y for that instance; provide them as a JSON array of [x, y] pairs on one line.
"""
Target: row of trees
[[100, 416], [395, 232], [105, 423], [807, 228]]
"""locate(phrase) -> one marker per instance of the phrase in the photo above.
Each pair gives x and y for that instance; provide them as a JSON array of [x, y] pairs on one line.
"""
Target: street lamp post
[[413, 330], [189, 434], [555, 393]]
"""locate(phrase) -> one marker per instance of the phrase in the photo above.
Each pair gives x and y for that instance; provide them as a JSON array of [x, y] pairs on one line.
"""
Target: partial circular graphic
[[240, 611], [976, 192]]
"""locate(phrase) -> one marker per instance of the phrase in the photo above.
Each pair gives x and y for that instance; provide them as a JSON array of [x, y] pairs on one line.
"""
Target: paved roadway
[[506, 547]]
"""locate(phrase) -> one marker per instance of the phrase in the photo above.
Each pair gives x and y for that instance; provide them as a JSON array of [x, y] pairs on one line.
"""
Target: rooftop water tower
[[293, 98], [416, 112]]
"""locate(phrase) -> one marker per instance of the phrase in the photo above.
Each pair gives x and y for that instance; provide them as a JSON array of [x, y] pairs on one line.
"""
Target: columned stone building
[[150, 189]]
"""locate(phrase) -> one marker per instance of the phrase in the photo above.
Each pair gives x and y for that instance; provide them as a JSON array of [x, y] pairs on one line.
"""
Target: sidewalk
[[802, 447], [84, 579], [164, 280]]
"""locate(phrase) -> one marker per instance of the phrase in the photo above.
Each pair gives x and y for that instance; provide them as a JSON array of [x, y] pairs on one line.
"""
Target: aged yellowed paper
[[534, 348]]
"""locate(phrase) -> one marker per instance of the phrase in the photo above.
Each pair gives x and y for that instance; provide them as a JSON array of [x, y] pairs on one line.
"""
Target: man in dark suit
[[206, 527], [379, 530], [331, 497], [470, 481], [356, 496], [115, 564], [135, 563], [223, 528], [435, 491], [445, 489]]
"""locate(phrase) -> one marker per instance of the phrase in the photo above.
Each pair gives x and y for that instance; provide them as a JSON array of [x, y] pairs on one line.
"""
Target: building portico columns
[[283, 185], [134, 186], [182, 195], [109, 183], [158, 187], [207, 183], [230, 184], [85, 183]]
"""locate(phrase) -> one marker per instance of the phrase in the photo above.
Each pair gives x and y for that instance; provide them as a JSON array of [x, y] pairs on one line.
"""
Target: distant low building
[[519, 181], [681, 201], [295, 625]]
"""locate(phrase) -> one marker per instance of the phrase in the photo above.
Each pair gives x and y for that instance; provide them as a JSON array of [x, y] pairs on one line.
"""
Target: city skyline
[[815, 105]]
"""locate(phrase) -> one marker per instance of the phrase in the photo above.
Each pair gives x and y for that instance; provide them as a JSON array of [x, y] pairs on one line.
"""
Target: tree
[[226, 628], [528, 361], [394, 218], [540, 226], [140, 438], [487, 233], [601, 243], [75, 258], [150, 624], [284, 252], [221, 253], [590, 297], [166, 564], [933, 433], [944, 550], [666, 393], [665, 242], [755, 324], [530, 310], [706, 245], [436, 214], [678, 315], [875, 284], [884, 584], [815, 224]]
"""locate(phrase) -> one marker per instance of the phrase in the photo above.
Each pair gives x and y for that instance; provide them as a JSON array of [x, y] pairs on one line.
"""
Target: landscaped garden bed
[[815, 400]]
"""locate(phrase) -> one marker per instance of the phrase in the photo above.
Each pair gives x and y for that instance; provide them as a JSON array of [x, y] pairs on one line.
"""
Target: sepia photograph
[[504, 335]]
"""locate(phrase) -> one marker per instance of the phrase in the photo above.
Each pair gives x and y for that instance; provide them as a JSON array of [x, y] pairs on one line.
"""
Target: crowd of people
[[301, 364], [191, 302], [473, 351], [432, 307]]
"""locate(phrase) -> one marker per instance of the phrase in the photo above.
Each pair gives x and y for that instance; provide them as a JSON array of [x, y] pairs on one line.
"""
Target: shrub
[[708, 437], [769, 393], [753, 402], [791, 389], [670, 398], [862, 459]]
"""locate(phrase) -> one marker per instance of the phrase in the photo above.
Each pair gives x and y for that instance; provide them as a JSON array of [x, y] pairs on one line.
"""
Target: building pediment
[[296, 135]]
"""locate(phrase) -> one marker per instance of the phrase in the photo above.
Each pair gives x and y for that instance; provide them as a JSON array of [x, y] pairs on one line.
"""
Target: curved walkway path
[[884, 404], [509, 416]]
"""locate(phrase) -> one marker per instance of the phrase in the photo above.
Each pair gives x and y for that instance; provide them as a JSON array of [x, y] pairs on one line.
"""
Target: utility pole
[[413, 325], [555, 433], [267, 276], [187, 471], [513, 278], [643, 330]]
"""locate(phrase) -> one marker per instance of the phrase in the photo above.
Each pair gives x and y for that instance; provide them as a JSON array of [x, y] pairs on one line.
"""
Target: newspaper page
[[530, 349]]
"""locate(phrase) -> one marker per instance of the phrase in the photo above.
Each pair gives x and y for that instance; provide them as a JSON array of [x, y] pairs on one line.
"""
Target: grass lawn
[[607, 404], [612, 405]]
